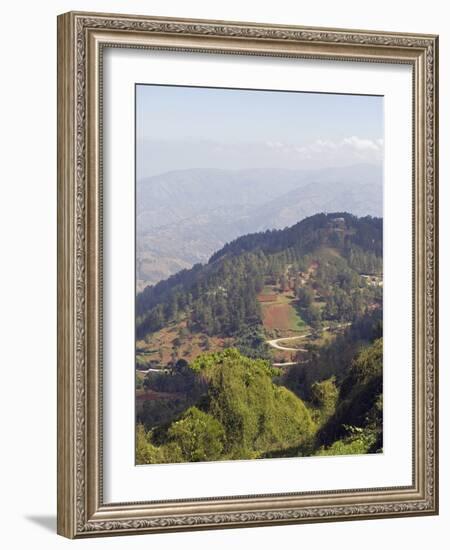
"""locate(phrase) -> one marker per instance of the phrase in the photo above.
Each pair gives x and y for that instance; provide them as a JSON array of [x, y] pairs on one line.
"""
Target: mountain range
[[183, 216]]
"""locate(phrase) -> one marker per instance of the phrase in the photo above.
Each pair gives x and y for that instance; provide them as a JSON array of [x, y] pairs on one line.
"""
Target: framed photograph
[[247, 276]]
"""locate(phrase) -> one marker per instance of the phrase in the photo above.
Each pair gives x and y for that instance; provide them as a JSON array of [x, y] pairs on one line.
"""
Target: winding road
[[276, 343], [153, 370]]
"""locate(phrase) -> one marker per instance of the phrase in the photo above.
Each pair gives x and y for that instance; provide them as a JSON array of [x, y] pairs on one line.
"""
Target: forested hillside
[[272, 348], [221, 297], [241, 415], [244, 411], [183, 216]]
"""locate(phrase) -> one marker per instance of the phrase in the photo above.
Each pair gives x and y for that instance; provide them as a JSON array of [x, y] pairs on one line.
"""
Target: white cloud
[[275, 144], [163, 155], [343, 151], [361, 144]]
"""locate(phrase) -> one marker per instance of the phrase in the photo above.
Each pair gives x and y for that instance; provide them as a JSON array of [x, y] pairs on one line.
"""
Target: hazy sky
[[186, 127]]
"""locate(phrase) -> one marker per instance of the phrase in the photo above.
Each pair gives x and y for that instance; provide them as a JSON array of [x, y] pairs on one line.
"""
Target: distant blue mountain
[[184, 216]]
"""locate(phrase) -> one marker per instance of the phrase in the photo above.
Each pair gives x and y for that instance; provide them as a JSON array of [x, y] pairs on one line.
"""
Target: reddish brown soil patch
[[277, 316], [267, 297]]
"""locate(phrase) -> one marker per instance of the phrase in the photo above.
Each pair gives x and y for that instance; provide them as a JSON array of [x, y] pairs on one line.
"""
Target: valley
[[298, 306], [291, 311], [184, 216]]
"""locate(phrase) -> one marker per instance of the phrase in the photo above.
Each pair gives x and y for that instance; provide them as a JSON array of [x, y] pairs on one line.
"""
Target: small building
[[337, 224], [372, 280]]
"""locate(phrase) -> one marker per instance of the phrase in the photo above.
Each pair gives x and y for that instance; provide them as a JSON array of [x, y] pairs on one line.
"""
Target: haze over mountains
[[184, 216]]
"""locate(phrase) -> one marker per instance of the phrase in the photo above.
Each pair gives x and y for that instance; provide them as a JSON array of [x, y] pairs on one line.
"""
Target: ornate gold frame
[[81, 37]]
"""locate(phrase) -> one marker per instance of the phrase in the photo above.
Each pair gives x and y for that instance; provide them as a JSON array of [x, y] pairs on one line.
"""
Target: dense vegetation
[[220, 298], [356, 424], [241, 414], [230, 401], [334, 359]]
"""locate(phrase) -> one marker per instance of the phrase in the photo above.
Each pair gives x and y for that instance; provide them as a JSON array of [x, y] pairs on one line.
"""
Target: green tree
[[198, 435], [146, 453], [312, 315], [256, 414], [305, 296], [360, 404], [324, 396]]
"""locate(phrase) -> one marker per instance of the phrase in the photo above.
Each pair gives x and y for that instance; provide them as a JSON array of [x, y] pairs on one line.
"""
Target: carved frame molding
[[81, 38]]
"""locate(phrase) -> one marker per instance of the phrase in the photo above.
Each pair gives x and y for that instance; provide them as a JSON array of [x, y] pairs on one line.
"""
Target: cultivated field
[[279, 313], [172, 343]]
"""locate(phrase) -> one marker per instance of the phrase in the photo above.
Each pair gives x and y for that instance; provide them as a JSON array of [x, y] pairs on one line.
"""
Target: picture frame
[[82, 40]]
